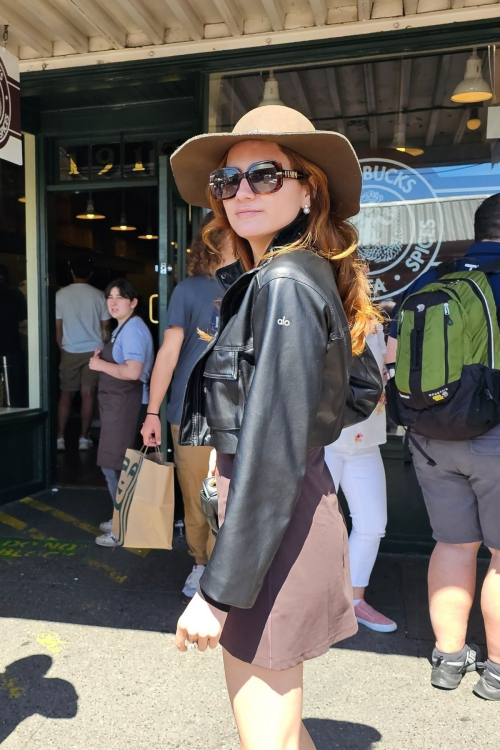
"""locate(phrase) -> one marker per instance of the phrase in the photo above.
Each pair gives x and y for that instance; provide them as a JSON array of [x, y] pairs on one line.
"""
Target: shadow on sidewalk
[[328, 734], [25, 691]]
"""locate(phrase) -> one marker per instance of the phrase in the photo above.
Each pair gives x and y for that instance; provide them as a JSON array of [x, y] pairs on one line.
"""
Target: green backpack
[[447, 379]]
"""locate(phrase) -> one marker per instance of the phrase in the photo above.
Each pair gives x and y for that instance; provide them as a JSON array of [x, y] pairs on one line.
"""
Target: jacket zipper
[[447, 322], [479, 293]]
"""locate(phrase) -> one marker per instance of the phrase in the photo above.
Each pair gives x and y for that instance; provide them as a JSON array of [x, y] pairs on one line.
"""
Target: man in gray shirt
[[193, 318]]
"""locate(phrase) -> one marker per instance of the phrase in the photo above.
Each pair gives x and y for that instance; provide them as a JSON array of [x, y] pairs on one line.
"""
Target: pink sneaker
[[372, 619]]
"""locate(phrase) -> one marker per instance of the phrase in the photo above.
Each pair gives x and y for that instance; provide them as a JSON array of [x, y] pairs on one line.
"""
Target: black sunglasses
[[263, 177]]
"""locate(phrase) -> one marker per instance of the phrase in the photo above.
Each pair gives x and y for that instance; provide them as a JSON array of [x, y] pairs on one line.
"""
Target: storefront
[[99, 135]]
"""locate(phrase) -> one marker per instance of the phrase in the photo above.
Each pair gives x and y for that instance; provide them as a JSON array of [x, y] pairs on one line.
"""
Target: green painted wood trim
[[85, 186]]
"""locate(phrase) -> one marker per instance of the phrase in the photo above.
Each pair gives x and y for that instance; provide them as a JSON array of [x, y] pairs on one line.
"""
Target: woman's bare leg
[[267, 706]]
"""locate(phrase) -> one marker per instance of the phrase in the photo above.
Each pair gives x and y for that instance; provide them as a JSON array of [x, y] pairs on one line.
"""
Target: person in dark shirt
[[462, 496]]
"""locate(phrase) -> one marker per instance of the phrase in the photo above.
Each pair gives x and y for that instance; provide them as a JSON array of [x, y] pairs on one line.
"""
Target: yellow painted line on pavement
[[111, 572], [67, 518], [16, 523], [51, 641]]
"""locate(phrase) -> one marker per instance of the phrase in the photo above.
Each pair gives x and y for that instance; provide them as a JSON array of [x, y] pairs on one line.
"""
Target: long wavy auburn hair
[[202, 260], [330, 238]]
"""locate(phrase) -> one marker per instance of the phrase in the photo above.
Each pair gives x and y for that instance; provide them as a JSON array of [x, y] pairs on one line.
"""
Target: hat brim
[[193, 162]]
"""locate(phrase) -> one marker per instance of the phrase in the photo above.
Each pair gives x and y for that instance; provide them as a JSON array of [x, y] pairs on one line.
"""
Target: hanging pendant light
[[22, 199], [149, 231], [473, 88], [91, 214], [474, 122], [123, 226], [271, 92], [400, 144]]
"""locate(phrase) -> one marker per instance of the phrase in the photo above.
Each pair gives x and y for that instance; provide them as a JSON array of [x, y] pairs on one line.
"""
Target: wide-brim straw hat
[[193, 162]]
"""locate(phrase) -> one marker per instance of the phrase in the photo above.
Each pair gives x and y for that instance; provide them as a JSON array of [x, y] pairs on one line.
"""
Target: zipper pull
[[401, 318], [447, 313]]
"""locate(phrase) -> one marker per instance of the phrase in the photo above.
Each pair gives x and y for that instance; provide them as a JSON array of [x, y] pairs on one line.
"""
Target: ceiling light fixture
[[473, 88], [91, 214], [22, 199], [123, 226], [271, 92], [149, 231], [400, 144], [474, 122]]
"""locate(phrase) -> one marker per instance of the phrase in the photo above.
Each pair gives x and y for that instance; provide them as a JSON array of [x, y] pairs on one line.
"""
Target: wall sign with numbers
[[107, 161]]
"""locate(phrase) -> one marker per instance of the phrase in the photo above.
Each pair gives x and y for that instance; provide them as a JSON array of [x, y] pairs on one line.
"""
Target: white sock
[[356, 602]]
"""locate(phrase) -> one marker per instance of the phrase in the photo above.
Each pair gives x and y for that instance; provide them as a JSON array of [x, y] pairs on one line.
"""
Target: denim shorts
[[462, 492]]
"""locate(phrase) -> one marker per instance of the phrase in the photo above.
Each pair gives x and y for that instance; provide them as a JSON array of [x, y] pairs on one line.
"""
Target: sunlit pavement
[[87, 658]]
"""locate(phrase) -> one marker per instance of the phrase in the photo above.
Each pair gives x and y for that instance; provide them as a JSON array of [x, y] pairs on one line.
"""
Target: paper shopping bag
[[144, 505]]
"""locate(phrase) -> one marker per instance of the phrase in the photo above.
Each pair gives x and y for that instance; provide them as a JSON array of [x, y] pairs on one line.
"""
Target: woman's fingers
[[212, 463], [202, 643], [180, 638]]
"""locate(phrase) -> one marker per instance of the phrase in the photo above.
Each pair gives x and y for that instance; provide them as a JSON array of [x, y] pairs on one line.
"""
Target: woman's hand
[[151, 430], [212, 463], [201, 623], [95, 362]]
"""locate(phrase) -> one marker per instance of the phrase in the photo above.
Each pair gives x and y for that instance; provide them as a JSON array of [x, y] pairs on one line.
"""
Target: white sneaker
[[106, 540], [61, 444], [85, 444], [193, 580], [106, 526]]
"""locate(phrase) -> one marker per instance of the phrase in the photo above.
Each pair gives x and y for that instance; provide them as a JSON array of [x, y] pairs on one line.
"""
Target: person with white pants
[[356, 466]]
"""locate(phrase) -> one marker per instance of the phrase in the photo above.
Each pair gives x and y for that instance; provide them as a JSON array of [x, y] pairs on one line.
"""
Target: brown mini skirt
[[305, 604]]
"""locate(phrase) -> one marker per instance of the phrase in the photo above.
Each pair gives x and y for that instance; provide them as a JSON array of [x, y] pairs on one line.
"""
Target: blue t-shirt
[[482, 252], [135, 342], [194, 307]]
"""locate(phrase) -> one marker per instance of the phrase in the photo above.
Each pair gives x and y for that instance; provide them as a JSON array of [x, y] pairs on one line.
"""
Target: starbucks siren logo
[[400, 225], [5, 105]]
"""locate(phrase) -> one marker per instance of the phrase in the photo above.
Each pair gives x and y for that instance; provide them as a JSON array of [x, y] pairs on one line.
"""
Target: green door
[[173, 231]]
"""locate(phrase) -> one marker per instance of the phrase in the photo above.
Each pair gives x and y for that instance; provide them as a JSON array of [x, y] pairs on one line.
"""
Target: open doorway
[[117, 230]]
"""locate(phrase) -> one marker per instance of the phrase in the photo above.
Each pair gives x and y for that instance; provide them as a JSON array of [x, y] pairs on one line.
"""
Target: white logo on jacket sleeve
[[283, 321]]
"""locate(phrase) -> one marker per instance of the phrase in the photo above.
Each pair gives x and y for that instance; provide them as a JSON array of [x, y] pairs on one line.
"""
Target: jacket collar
[[484, 248], [227, 275]]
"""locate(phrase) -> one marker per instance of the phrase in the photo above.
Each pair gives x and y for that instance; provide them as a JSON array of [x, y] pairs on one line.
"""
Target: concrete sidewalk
[[87, 658]]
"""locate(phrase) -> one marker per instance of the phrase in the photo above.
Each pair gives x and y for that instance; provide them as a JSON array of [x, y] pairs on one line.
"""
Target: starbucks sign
[[400, 225], [10, 109]]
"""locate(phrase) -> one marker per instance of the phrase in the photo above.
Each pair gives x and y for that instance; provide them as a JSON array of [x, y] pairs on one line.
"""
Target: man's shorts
[[462, 492], [74, 371]]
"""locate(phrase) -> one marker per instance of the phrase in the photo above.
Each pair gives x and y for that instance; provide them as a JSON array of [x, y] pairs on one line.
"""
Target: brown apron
[[119, 407]]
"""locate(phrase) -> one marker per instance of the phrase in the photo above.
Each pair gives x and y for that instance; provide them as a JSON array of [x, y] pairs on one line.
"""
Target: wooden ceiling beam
[[231, 16], [275, 13], [26, 32], [106, 25], [438, 96], [304, 101], [371, 102], [63, 27], [461, 128], [364, 9], [410, 7], [335, 91], [320, 12], [145, 20], [188, 17]]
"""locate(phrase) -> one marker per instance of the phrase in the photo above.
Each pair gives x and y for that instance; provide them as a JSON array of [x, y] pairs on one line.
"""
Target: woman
[[125, 365], [269, 393], [193, 317], [356, 465]]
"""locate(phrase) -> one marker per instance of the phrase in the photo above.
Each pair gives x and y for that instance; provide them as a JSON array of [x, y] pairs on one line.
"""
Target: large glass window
[[427, 163], [426, 160], [19, 335]]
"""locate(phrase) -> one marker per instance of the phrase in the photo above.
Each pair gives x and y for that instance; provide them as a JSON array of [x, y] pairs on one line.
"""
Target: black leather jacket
[[271, 385]]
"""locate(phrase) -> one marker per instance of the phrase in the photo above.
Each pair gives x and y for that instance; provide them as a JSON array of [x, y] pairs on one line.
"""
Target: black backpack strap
[[490, 268], [409, 438], [445, 268]]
